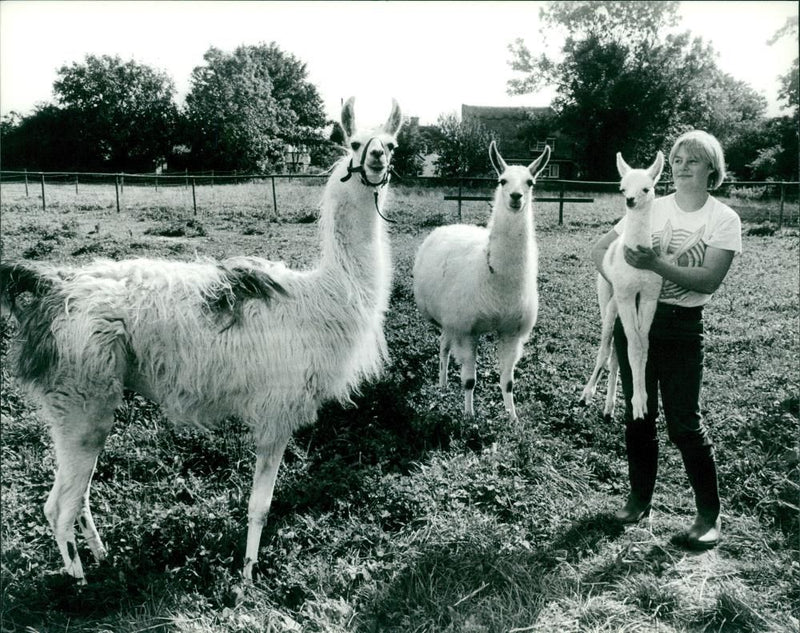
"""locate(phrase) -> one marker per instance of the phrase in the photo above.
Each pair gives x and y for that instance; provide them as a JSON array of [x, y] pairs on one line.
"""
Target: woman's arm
[[599, 250], [706, 278]]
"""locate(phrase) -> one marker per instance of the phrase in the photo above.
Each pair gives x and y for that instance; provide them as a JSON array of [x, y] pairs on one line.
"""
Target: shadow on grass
[[433, 587]]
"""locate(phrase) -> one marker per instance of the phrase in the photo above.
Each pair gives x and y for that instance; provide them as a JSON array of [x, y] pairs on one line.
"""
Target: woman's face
[[690, 172]]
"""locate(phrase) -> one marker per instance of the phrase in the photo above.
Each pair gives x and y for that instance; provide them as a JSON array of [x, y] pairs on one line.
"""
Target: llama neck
[[512, 243], [637, 228], [354, 245]]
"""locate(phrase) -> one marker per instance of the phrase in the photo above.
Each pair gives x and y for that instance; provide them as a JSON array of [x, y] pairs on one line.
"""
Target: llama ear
[[622, 167], [349, 117], [540, 163], [497, 161], [654, 171], [395, 120]]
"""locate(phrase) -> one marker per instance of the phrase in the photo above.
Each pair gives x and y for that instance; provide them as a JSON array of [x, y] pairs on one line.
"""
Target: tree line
[[625, 81]]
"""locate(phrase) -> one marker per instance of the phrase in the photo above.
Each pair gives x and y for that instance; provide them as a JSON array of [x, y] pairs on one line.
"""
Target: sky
[[431, 56]]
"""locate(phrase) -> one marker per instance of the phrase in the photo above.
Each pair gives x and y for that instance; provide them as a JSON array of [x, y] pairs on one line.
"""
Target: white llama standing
[[244, 337], [470, 280]]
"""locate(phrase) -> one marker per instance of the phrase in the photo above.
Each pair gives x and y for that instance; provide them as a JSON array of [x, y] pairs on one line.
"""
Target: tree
[[407, 159], [243, 107], [124, 112], [622, 86], [463, 147], [50, 139]]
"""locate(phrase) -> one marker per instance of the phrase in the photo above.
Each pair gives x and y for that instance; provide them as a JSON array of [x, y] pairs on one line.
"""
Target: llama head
[[515, 183], [371, 151], [638, 185]]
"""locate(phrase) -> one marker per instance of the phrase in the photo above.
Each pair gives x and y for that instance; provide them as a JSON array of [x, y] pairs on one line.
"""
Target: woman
[[675, 359]]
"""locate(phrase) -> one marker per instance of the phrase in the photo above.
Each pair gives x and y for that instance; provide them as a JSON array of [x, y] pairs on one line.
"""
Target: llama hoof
[[69, 576]]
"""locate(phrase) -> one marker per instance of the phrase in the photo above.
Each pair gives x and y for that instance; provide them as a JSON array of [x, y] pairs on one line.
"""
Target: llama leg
[[467, 348], [78, 441], [645, 313], [604, 352], [509, 350], [444, 360], [88, 528], [636, 358], [266, 471], [611, 388]]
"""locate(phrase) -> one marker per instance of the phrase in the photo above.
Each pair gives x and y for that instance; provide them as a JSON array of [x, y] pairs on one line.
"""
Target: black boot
[[641, 444], [702, 471]]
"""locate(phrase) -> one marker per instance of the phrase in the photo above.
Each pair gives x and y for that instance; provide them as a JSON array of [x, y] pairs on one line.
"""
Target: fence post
[[561, 203], [76, 184], [783, 198], [44, 204], [186, 175], [274, 197], [26, 183], [194, 198], [459, 199], [116, 190]]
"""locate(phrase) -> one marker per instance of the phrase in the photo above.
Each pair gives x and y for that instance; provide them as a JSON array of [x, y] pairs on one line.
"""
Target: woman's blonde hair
[[703, 145]]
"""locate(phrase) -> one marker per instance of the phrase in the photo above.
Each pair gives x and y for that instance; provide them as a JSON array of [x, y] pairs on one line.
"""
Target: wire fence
[[779, 200]]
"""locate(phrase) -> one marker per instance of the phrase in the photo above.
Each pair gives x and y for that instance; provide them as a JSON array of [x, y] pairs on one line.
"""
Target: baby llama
[[244, 337], [470, 280], [632, 293]]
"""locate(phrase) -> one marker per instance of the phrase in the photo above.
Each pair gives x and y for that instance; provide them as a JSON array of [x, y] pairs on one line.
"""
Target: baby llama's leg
[[604, 351], [509, 351], [268, 461], [645, 313], [79, 436], [611, 387]]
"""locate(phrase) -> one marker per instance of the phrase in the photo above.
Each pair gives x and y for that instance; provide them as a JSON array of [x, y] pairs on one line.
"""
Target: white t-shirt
[[715, 223]]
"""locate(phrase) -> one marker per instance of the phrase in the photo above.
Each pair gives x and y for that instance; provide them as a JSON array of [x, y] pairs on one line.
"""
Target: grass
[[398, 515]]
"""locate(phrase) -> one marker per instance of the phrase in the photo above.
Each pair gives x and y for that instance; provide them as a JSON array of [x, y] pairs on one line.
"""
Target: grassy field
[[397, 515]]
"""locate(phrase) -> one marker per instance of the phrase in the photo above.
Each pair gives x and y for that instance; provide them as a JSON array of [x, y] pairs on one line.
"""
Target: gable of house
[[508, 125]]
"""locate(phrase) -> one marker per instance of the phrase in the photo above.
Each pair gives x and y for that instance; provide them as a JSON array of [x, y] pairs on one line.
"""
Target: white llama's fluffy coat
[[470, 280]]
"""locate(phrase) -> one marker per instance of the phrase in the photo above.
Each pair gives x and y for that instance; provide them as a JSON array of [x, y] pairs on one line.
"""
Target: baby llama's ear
[[349, 117], [497, 161], [654, 171], [537, 166], [622, 167]]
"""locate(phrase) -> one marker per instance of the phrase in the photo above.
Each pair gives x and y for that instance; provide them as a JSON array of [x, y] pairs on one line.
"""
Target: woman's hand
[[642, 257]]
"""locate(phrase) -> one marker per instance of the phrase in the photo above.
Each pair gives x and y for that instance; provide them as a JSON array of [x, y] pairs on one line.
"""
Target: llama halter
[[359, 169]]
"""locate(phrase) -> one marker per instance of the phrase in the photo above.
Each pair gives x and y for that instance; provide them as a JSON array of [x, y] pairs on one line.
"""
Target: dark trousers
[[675, 370]]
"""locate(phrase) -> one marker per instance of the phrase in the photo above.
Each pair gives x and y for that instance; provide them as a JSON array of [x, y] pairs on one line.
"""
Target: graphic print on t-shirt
[[691, 257]]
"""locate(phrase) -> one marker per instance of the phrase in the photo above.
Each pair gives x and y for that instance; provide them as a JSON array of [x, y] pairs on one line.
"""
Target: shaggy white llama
[[470, 280], [633, 293], [244, 337]]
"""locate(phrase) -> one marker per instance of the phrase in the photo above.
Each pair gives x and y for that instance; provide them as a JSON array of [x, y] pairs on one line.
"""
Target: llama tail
[[16, 279]]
